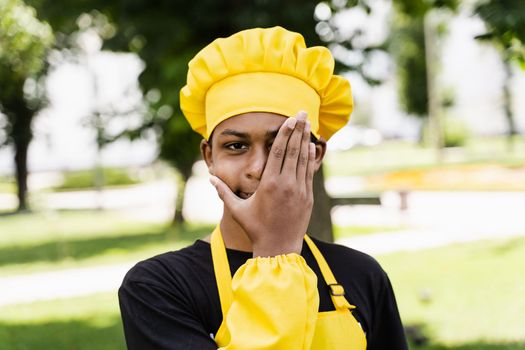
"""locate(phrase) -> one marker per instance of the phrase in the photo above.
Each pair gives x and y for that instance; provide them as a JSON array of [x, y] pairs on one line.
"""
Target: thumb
[[225, 194]]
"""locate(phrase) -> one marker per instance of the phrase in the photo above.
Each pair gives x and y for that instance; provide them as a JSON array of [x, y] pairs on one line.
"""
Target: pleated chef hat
[[265, 70]]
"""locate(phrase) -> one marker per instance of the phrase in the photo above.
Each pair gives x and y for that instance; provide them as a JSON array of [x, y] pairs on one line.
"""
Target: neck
[[233, 235]]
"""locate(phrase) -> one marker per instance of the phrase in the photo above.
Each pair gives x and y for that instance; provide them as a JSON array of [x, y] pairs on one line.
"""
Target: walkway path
[[86, 281], [435, 219]]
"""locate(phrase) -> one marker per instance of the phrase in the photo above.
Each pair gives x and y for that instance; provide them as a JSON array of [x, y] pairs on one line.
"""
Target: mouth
[[244, 195]]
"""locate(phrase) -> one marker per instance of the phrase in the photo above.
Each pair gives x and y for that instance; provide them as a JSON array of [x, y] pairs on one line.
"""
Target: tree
[[24, 43], [505, 21], [166, 35], [415, 45], [356, 43]]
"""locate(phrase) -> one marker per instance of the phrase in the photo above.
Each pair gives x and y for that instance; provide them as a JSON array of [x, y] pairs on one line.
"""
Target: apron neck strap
[[222, 271], [337, 291]]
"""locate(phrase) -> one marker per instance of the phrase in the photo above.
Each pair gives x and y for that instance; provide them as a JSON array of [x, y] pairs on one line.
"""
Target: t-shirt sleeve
[[155, 318], [275, 304], [387, 330]]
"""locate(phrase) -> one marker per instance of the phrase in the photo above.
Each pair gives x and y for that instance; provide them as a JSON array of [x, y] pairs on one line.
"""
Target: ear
[[206, 152], [320, 151]]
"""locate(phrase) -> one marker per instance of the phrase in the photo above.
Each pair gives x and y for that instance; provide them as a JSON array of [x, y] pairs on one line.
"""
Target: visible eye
[[236, 146]]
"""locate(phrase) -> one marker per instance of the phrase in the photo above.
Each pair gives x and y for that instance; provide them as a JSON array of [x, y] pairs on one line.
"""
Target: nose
[[256, 163]]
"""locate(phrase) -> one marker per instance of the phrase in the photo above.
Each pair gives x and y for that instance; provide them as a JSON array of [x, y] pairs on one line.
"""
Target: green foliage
[[505, 21], [407, 44], [24, 42], [455, 133], [166, 35], [419, 8], [355, 43], [86, 179]]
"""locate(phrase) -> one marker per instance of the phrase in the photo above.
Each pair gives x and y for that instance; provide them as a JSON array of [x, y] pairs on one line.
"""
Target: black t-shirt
[[171, 301]]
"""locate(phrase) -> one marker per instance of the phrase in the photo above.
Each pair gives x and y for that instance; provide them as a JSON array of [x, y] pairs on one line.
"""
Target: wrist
[[262, 250]]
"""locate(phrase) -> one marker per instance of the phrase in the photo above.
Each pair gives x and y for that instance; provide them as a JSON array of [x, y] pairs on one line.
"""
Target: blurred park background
[[99, 170]]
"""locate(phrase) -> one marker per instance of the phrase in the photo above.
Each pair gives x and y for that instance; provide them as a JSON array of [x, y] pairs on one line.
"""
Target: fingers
[[293, 148], [278, 150], [302, 160], [310, 170], [225, 194]]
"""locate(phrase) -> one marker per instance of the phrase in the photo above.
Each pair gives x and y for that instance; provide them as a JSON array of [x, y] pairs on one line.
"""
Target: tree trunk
[[178, 217], [21, 119], [21, 147], [507, 105], [432, 58], [321, 221]]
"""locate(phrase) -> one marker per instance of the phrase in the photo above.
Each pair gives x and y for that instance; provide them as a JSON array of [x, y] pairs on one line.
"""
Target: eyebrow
[[232, 132], [271, 134]]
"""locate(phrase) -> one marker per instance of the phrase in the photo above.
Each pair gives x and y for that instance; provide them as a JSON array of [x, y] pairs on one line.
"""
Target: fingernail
[[213, 180], [291, 122], [312, 148], [302, 115], [307, 126]]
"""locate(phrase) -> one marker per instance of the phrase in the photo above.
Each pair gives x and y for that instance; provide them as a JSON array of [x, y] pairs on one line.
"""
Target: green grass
[[85, 179], [483, 345], [402, 155], [7, 186], [349, 231], [475, 302], [85, 323], [463, 294], [49, 241], [35, 242], [42, 227]]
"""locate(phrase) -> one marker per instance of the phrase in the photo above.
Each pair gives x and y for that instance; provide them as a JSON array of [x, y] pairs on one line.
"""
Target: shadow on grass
[[508, 246], [419, 340], [63, 335], [473, 346], [7, 213], [79, 249], [108, 335]]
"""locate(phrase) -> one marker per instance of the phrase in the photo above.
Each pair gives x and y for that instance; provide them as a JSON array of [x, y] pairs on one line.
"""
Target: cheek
[[227, 169]]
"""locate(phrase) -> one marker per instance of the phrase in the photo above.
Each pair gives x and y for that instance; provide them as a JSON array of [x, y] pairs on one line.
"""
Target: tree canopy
[[408, 46], [505, 21], [166, 34], [24, 43]]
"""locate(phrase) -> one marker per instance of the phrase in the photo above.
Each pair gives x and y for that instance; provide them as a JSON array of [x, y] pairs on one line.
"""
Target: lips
[[244, 195]]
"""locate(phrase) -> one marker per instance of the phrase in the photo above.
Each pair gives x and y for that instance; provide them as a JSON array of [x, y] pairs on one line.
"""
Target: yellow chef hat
[[265, 70]]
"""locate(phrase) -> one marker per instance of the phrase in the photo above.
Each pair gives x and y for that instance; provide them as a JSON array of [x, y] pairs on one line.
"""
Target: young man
[[288, 291]]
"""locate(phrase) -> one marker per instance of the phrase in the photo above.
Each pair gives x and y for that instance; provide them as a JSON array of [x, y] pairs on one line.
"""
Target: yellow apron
[[337, 329]]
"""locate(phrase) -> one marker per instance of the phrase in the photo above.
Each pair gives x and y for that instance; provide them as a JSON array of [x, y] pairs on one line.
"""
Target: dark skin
[[262, 165]]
